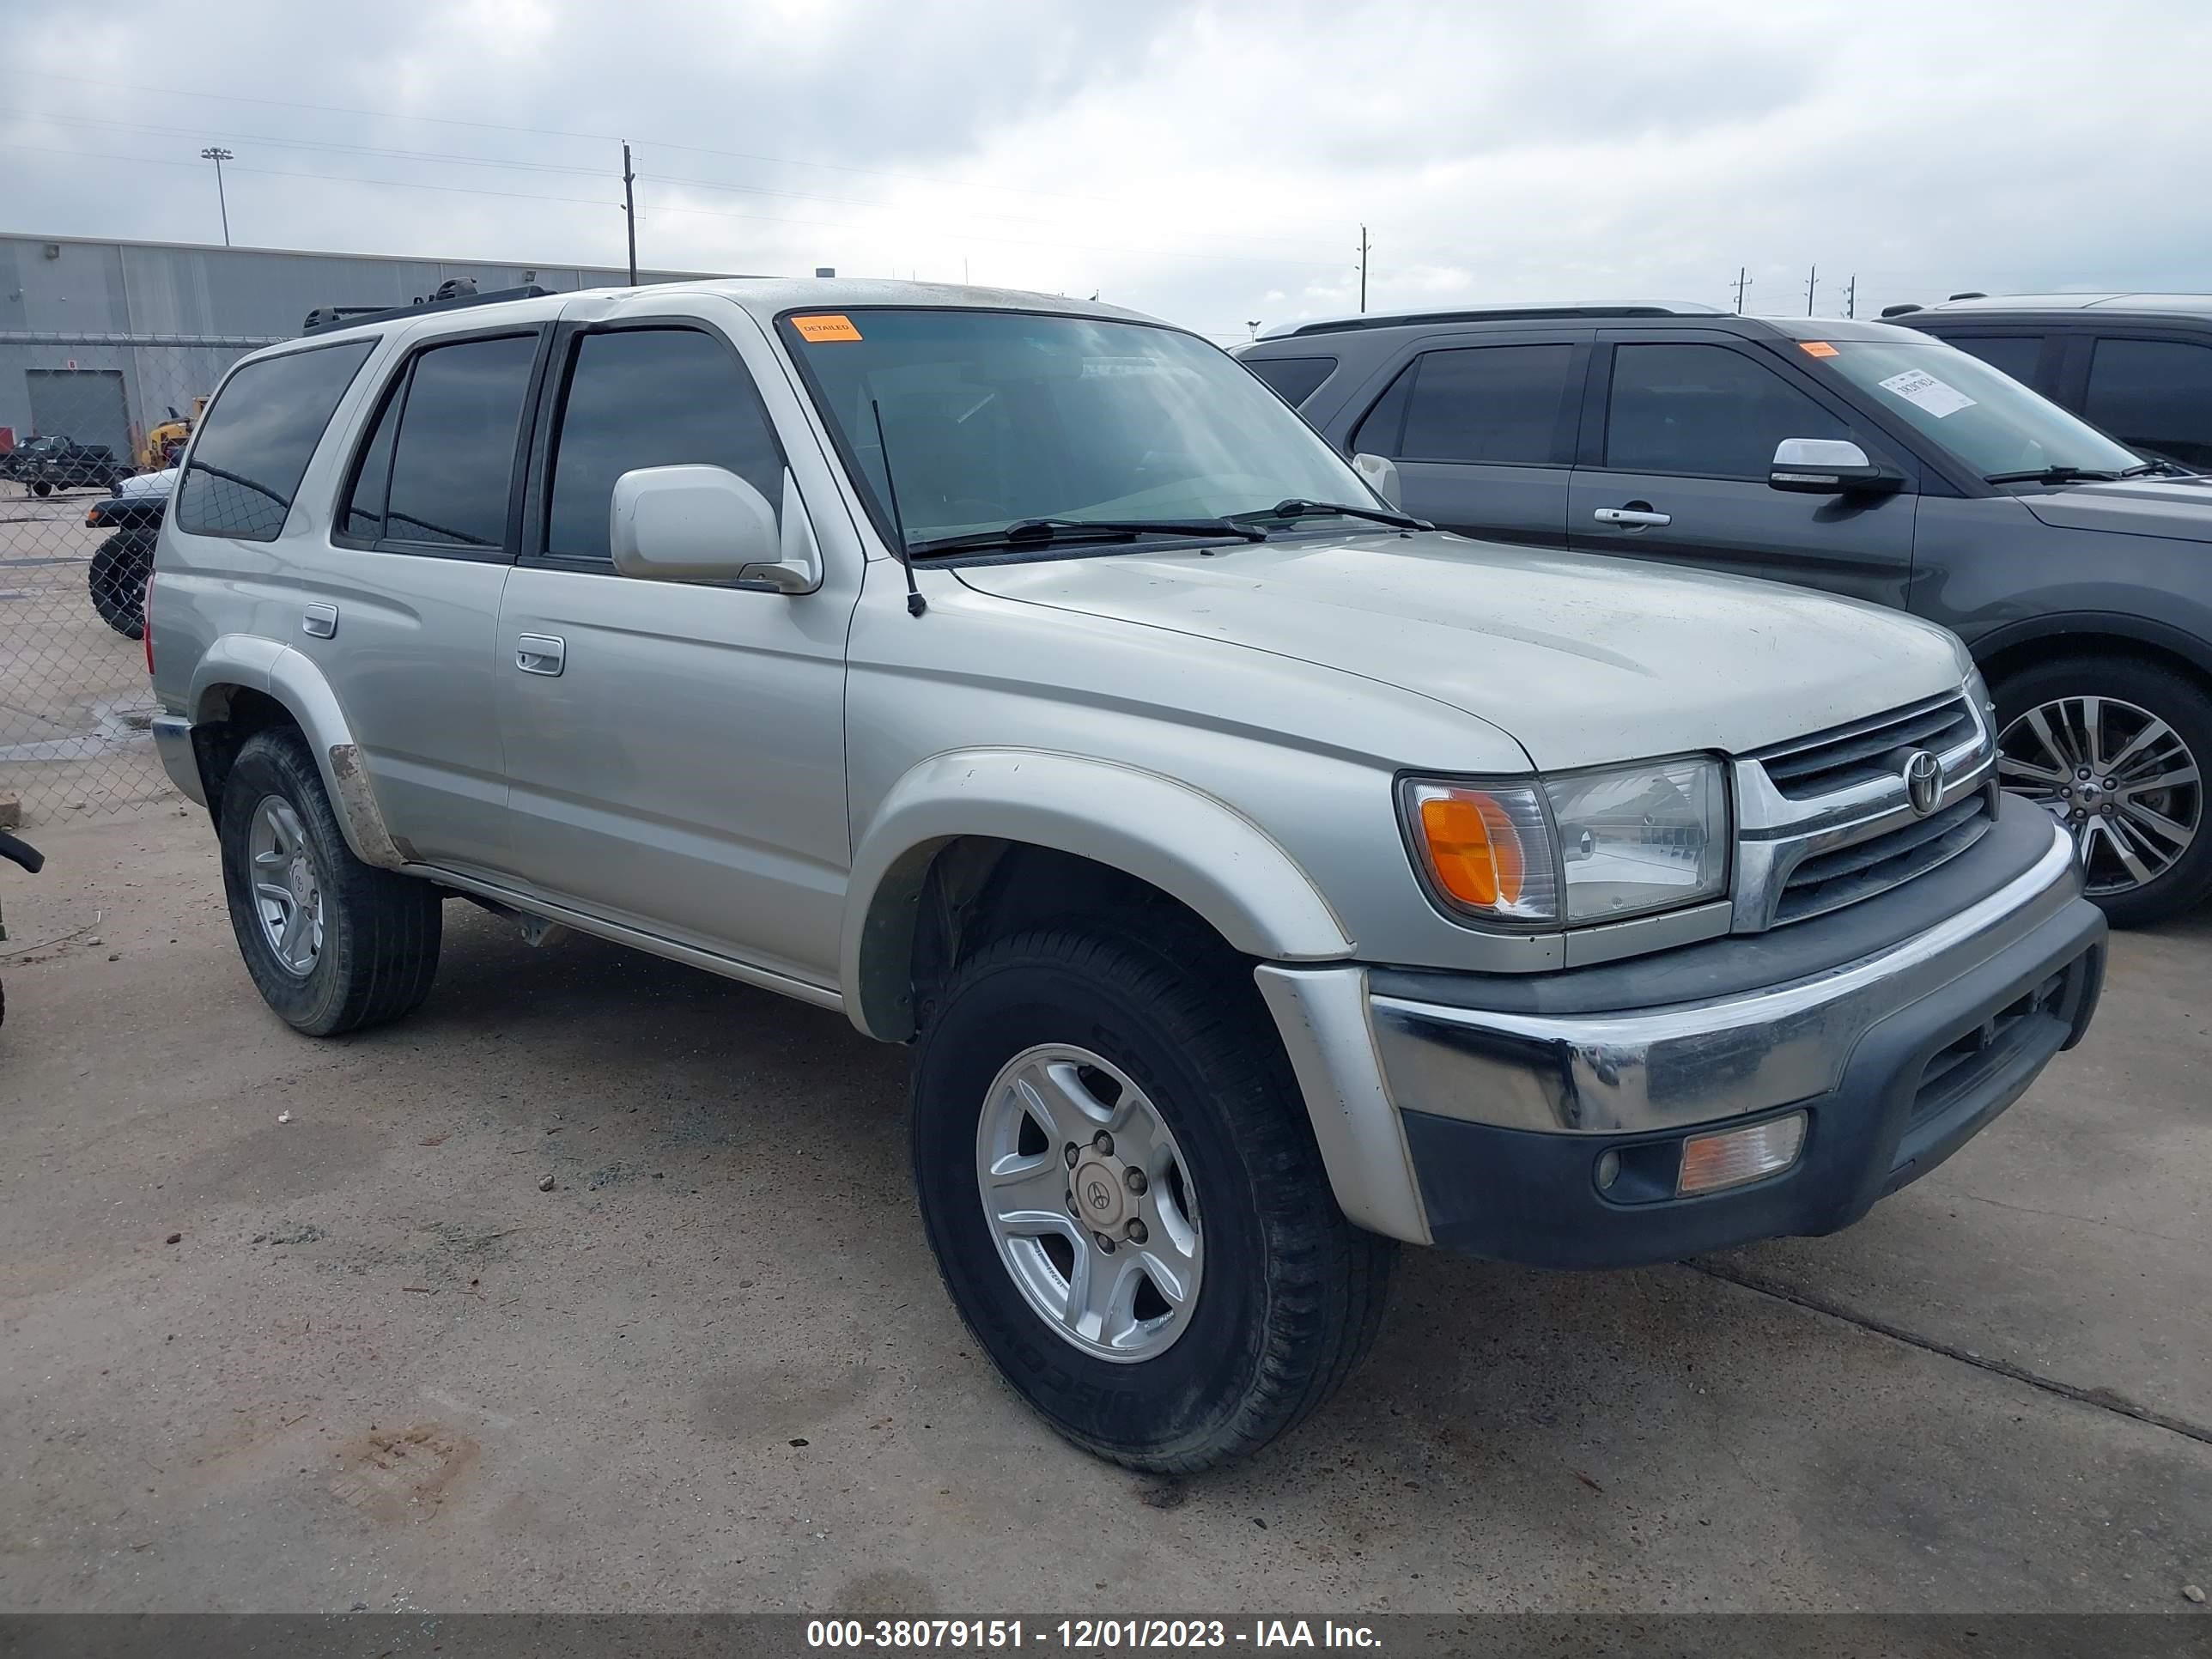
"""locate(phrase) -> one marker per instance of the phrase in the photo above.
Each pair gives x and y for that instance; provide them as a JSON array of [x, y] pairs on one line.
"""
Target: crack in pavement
[[2103, 1400]]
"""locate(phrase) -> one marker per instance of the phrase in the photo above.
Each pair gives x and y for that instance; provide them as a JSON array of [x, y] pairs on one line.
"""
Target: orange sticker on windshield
[[833, 326], [1815, 348]]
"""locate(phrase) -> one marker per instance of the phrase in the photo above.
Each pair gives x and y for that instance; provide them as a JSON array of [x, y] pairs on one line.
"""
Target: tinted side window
[[362, 516], [2012, 354], [257, 438], [455, 456], [1496, 404], [1294, 378], [650, 398], [1703, 411], [2155, 395], [1381, 431]]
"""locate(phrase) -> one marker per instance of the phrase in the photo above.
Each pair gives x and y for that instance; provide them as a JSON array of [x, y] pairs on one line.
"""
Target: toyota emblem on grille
[[1924, 781]]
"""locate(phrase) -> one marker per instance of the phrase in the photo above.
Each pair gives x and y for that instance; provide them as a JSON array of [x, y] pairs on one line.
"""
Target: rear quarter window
[[1293, 379], [257, 438]]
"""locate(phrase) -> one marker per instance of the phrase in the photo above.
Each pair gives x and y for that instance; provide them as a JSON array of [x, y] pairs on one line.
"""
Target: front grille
[[1827, 820], [1828, 881], [1867, 750]]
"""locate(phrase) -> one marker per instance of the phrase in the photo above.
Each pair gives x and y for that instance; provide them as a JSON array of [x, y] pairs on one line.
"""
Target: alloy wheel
[[288, 893], [1090, 1202], [2120, 779]]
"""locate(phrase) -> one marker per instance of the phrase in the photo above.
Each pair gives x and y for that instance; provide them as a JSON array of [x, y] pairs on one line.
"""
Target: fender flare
[[1191, 845], [281, 673]]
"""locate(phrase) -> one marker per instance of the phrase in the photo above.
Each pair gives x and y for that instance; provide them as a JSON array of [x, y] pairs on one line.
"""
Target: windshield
[[1989, 421], [996, 417]]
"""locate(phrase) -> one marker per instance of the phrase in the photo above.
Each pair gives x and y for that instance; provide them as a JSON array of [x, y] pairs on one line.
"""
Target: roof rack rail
[[451, 295], [1488, 314]]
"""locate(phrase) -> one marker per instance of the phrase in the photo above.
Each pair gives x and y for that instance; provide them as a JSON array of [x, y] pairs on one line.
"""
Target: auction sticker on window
[[832, 326], [1917, 386]]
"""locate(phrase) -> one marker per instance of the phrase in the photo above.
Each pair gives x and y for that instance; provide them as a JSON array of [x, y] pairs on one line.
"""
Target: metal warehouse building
[[98, 340]]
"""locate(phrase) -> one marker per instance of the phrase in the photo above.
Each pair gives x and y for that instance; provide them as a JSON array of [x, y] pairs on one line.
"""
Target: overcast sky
[[1210, 163]]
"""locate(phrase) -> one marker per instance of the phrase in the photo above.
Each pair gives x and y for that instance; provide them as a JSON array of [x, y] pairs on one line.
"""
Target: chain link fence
[[89, 425]]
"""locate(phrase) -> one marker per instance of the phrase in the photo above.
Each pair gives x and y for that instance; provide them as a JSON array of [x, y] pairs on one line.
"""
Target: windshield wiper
[[1296, 508], [1048, 532], [2157, 469], [2055, 475]]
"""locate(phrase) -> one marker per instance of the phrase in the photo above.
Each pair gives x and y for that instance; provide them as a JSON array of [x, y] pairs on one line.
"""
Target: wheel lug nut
[[2083, 774], [1136, 1231], [1072, 1210], [1102, 1144], [1074, 1154], [1105, 1244], [1136, 1181]]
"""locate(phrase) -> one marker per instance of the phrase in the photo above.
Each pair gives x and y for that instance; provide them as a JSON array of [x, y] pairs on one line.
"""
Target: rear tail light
[[146, 625]]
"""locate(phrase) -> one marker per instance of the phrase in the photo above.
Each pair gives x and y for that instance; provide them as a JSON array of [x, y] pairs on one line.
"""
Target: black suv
[[1862, 458], [2137, 364]]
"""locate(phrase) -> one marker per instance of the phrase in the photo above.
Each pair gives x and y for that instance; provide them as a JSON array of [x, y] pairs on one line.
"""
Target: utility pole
[[1743, 280], [1812, 281], [1365, 248], [1852, 296], [629, 211], [218, 154]]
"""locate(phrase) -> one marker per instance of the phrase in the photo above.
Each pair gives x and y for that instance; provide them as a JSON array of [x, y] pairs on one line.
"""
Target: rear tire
[[41, 489], [2131, 697], [332, 944], [117, 580], [1285, 1296]]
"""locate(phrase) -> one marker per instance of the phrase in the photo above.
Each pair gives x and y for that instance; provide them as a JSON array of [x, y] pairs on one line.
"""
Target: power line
[[671, 207], [464, 160], [595, 137]]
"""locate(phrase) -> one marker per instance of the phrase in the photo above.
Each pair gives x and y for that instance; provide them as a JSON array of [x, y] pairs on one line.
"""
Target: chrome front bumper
[[1369, 1063], [1625, 1074]]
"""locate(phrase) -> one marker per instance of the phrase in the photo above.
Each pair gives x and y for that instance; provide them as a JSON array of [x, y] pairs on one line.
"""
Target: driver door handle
[[540, 653], [1633, 518]]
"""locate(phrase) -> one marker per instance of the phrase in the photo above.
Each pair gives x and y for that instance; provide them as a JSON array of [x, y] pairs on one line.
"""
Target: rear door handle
[[1633, 518], [540, 653]]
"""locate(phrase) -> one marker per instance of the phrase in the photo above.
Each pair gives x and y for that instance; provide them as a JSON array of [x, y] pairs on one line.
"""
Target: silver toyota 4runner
[[1261, 878]]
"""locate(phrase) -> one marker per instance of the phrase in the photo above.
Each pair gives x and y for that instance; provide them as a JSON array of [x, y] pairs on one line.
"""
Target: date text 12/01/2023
[[1080, 1634]]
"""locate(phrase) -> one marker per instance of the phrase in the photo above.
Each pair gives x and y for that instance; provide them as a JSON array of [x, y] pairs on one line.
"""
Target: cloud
[[1211, 162]]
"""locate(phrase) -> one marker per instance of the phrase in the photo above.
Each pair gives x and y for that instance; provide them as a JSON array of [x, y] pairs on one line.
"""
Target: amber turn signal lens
[[1474, 848]]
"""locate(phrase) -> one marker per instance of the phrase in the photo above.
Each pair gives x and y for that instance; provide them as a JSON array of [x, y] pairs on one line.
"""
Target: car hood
[[2177, 507], [148, 483], [1584, 660]]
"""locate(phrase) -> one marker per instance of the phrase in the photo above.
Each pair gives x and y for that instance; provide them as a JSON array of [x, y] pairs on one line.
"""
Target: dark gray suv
[[1862, 458], [2138, 366]]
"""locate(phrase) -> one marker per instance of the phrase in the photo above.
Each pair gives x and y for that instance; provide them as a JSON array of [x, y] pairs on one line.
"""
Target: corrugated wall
[[241, 296]]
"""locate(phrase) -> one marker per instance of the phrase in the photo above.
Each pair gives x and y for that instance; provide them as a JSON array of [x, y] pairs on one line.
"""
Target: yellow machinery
[[165, 441]]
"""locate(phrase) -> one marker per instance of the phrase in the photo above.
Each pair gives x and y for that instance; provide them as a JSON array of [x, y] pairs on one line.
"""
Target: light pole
[[1253, 322], [218, 154]]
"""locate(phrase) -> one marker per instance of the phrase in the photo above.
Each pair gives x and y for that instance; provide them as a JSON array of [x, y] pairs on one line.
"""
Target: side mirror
[[1826, 467], [705, 524], [1382, 475]]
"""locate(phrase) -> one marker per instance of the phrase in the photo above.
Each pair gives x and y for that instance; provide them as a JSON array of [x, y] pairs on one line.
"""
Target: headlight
[[1593, 847]]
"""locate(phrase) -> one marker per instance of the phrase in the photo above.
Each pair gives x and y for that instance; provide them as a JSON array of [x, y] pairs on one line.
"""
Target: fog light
[[1735, 1156], [1608, 1172]]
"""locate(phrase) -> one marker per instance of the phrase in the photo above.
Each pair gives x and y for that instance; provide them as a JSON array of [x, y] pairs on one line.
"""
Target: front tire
[[2115, 748], [117, 580], [332, 944], [1069, 1075]]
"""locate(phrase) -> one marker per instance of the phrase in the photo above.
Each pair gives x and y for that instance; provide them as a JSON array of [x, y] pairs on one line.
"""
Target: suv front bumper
[[1500, 1120]]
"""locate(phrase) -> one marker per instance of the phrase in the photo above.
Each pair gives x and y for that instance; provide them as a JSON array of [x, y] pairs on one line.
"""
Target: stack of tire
[[121, 564]]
